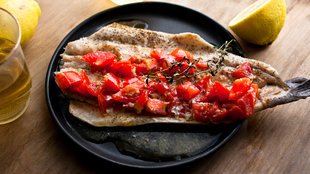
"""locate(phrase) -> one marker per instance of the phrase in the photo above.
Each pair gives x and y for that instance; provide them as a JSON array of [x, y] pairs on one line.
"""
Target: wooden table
[[274, 141]]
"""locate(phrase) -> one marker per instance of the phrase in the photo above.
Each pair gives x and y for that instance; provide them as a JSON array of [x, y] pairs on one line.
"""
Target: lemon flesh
[[261, 22], [27, 13]]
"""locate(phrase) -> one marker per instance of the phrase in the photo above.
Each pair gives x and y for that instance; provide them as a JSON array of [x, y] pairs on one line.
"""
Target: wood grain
[[273, 141]]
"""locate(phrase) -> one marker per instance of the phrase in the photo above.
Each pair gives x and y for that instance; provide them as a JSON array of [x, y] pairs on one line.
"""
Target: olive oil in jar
[[15, 82]]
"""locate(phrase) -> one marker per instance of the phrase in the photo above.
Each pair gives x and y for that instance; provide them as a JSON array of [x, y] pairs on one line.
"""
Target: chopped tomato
[[218, 91], [129, 80], [138, 63], [201, 97], [161, 77], [240, 87], [156, 106], [135, 59], [112, 82], [234, 112], [247, 101], [179, 54], [123, 68], [202, 64], [208, 112], [204, 83], [243, 70], [67, 78], [80, 88], [167, 63], [159, 54], [141, 101], [184, 68], [150, 63], [95, 88], [141, 68], [99, 58], [187, 90], [104, 101], [163, 89], [130, 93]]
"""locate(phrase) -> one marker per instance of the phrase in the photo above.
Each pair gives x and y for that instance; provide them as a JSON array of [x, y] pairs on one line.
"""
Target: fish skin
[[126, 41]]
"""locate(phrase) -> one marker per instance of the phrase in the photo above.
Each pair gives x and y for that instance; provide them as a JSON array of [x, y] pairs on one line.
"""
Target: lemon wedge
[[261, 22], [27, 13]]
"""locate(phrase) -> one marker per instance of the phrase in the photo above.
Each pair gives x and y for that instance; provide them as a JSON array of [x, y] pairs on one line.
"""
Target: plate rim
[[93, 152]]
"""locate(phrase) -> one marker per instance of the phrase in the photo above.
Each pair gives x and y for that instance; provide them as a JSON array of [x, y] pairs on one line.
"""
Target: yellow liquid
[[15, 83]]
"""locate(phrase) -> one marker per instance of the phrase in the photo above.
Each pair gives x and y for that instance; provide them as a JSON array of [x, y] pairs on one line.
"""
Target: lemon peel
[[261, 22], [27, 13]]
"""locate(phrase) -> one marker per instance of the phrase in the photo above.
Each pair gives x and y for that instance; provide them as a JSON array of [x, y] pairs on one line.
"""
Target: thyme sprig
[[176, 66]]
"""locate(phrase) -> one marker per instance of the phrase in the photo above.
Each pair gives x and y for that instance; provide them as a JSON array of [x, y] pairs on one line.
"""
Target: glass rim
[[18, 38]]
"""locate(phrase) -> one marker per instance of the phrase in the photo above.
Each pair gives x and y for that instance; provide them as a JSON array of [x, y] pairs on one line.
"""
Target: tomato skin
[[218, 91], [112, 82], [104, 101], [208, 112], [240, 87], [234, 112], [130, 93], [179, 54], [161, 77], [99, 59], [204, 83], [202, 64], [67, 78], [95, 88], [156, 106], [122, 68], [129, 80], [150, 63], [243, 70], [141, 101], [159, 54], [187, 90]]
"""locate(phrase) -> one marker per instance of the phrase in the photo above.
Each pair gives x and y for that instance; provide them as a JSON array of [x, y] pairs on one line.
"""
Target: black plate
[[159, 17]]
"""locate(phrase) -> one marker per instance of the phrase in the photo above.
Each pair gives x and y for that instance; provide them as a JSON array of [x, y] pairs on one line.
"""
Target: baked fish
[[143, 59]]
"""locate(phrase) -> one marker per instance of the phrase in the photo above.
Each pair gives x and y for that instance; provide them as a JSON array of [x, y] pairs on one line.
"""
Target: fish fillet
[[125, 42]]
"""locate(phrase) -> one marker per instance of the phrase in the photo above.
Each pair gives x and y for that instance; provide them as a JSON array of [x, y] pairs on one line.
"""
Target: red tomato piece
[[99, 58], [202, 64], [150, 63], [141, 68], [135, 59], [159, 54], [67, 78], [95, 88], [123, 68], [187, 90], [167, 63], [112, 82], [130, 93], [80, 88], [129, 80], [163, 89], [204, 83], [141, 101], [235, 113], [184, 69], [161, 77], [137, 62], [240, 87], [218, 91], [208, 112], [243, 70], [104, 101], [156, 106], [179, 54]]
